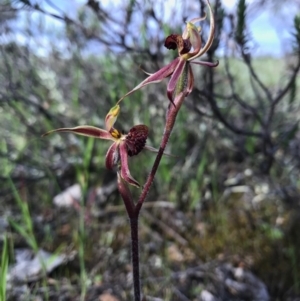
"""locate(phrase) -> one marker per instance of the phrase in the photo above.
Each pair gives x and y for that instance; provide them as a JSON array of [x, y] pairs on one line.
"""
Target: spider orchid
[[124, 145], [182, 78]]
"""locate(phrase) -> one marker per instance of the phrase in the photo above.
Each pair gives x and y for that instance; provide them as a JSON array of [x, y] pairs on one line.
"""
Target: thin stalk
[[81, 227], [83, 274], [133, 215], [171, 118], [135, 258]]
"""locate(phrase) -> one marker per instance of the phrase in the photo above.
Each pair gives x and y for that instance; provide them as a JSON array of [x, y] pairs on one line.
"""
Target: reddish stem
[[135, 258], [171, 118], [134, 210]]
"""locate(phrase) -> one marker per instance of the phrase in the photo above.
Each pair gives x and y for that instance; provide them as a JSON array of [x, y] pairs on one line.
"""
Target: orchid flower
[[182, 79], [124, 145]]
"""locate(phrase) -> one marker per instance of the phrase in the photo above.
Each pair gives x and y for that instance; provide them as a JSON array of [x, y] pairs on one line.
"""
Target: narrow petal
[[174, 81], [156, 150], [151, 149], [190, 84], [179, 100], [156, 77], [85, 130], [210, 35], [126, 195], [112, 156], [208, 64], [111, 117], [195, 39], [186, 33], [147, 73], [125, 173]]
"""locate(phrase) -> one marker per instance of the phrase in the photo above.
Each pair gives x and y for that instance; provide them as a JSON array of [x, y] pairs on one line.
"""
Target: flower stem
[[135, 258], [133, 211], [171, 117]]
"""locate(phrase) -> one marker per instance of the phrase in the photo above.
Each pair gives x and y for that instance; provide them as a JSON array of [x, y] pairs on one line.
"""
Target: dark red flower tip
[[175, 41], [171, 42], [136, 139]]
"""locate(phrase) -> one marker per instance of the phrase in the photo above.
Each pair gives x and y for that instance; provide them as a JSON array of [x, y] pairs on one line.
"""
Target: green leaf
[[3, 270]]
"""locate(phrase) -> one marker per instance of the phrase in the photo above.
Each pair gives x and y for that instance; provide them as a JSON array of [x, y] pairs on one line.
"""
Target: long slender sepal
[[156, 77], [125, 173], [112, 156], [126, 196], [84, 130], [176, 79]]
